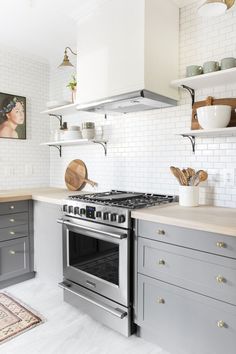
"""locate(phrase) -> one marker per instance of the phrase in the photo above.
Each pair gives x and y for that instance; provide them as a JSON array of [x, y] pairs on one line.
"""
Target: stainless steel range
[[98, 254]]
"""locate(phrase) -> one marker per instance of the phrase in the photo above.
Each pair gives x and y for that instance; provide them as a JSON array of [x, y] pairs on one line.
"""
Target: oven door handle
[[111, 234], [115, 312]]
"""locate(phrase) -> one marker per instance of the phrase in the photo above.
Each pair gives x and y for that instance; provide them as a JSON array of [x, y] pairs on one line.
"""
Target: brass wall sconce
[[66, 62]]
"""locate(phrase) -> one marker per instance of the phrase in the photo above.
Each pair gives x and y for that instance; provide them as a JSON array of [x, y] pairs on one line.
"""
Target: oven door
[[96, 257]]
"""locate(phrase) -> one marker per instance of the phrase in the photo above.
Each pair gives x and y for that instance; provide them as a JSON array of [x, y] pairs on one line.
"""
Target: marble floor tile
[[67, 330]]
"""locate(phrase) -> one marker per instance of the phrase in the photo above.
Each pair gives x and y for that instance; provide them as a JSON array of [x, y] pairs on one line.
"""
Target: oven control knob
[[113, 217], [76, 210], [121, 219], [105, 216], [64, 208], [98, 214], [71, 209], [82, 211]]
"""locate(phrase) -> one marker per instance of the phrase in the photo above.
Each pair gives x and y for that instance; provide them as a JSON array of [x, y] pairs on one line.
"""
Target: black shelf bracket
[[191, 92], [103, 144], [58, 147], [192, 140], [58, 116]]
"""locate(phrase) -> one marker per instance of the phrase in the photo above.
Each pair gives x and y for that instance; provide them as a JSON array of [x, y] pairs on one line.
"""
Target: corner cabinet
[[185, 293], [16, 242]]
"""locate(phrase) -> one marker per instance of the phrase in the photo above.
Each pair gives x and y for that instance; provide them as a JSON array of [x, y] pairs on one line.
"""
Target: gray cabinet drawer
[[205, 273], [14, 258], [185, 322], [13, 220], [14, 232], [14, 207], [200, 240]]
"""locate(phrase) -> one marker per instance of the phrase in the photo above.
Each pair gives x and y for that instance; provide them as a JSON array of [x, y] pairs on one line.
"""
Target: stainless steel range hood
[[136, 101]]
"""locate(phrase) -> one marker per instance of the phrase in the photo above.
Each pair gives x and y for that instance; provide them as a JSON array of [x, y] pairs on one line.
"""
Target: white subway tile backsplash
[[142, 146], [24, 163]]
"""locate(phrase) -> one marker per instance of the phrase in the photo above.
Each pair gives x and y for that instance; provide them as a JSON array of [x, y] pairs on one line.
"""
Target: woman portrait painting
[[12, 116]]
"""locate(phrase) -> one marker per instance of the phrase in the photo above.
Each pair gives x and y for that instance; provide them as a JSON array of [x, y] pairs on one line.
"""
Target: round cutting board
[[75, 175]]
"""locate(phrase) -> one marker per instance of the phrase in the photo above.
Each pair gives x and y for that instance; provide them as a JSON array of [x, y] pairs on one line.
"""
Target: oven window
[[94, 256]]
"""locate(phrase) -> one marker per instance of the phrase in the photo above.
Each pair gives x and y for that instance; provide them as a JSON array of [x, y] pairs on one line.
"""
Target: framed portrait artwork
[[12, 116]]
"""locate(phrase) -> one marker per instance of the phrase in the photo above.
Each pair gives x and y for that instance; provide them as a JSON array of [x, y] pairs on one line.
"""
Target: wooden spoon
[[182, 177], [176, 174], [202, 176]]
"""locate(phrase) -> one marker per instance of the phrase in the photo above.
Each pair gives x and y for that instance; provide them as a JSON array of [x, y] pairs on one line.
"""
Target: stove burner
[[128, 200]]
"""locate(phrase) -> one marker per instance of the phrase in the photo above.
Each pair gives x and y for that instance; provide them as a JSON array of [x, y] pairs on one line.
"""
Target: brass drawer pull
[[12, 233], [161, 262], [12, 220], [12, 207], [160, 300], [220, 279], [161, 232], [221, 324], [221, 244], [12, 252]]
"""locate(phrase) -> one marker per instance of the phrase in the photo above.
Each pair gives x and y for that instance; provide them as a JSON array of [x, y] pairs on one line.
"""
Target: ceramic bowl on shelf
[[213, 117]]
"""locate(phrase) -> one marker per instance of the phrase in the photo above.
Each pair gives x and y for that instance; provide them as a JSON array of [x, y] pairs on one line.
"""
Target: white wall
[[23, 162], [142, 146]]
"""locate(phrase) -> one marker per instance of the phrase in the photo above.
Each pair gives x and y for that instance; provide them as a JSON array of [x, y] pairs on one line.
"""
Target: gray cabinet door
[[14, 207], [195, 239], [13, 220], [185, 322], [202, 272], [14, 258], [13, 232]]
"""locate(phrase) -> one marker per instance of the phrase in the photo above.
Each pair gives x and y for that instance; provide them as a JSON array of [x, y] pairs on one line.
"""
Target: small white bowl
[[213, 117]]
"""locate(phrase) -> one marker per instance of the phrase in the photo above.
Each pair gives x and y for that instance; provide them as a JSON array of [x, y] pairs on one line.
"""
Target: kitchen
[[131, 152]]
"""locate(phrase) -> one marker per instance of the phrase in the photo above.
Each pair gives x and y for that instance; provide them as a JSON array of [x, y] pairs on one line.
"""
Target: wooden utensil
[[76, 176], [176, 174], [183, 178], [202, 176]]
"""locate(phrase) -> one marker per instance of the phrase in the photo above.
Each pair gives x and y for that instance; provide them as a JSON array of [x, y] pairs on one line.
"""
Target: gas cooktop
[[123, 199]]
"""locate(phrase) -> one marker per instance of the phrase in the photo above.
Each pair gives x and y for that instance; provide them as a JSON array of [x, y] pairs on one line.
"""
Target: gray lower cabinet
[[16, 242], [184, 322], [14, 258], [185, 289]]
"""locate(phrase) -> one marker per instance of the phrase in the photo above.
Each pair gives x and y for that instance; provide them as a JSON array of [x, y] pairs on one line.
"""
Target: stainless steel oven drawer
[[101, 309]]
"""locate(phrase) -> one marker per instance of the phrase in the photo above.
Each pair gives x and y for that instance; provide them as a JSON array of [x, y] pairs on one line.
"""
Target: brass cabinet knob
[[12, 252], [161, 262], [161, 232], [12, 207], [221, 244], [220, 279], [160, 300], [12, 220], [12, 233], [221, 324]]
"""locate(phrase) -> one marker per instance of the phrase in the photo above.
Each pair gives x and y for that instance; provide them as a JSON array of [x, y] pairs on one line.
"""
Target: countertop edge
[[195, 225]]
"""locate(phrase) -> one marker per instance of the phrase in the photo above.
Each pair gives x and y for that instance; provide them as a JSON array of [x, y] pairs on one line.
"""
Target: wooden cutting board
[[76, 176]]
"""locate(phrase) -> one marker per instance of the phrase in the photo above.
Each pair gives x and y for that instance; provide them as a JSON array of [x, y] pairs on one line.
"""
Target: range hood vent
[[136, 101]]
